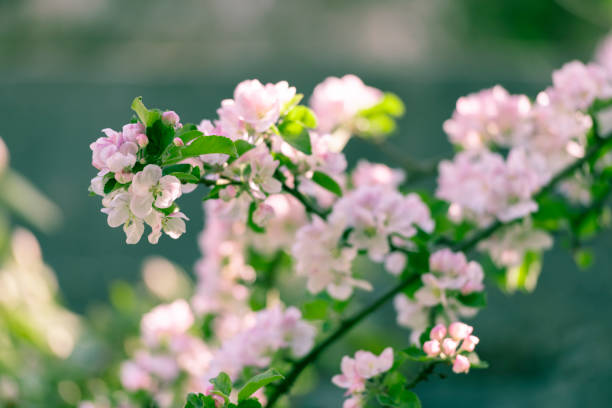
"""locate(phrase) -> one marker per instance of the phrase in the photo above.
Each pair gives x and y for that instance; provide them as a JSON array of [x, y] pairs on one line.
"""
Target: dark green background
[[69, 68]]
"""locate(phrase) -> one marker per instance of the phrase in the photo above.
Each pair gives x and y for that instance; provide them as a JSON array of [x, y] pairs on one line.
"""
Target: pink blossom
[[449, 346], [490, 116], [166, 321], [374, 174], [259, 105], [336, 101], [171, 118], [395, 263], [149, 187], [469, 343], [438, 332], [459, 331], [365, 365], [577, 85], [461, 364], [431, 348], [134, 378]]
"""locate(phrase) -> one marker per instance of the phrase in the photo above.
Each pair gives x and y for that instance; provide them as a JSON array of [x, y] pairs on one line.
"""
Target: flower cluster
[[169, 349], [356, 371], [133, 193], [452, 347], [542, 138], [368, 218], [449, 280]]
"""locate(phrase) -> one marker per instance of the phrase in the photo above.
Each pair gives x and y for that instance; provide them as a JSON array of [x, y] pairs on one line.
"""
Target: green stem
[[425, 372], [348, 324]]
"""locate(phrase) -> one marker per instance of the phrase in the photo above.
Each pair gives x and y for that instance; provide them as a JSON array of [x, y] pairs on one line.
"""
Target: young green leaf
[[200, 401], [296, 134], [186, 177], [249, 403], [303, 115], [222, 383], [146, 116], [242, 146], [327, 182], [209, 145], [187, 137], [257, 382]]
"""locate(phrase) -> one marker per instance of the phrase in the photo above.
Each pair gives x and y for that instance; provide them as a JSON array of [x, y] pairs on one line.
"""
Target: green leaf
[[303, 115], [187, 137], [315, 309], [416, 354], [213, 193], [199, 146], [222, 383], [141, 110], [399, 397], [249, 403], [327, 182], [176, 168], [584, 257], [296, 134], [242, 146], [110, 185], [257, 382], [200, 401], [474, 299], [209, 145], [186, 177], [251, 223], [390, 104], [289, 105], [146, 116]]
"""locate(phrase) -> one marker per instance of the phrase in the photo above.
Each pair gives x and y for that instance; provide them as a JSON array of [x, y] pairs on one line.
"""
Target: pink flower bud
[[142, 140], [461, 364], [469, 343], [459, 331], [178, 141], [432, 348], [449, 346], [438, 332], [170, 118]]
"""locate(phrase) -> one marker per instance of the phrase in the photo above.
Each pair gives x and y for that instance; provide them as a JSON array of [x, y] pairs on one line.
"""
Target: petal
[[141, 205]]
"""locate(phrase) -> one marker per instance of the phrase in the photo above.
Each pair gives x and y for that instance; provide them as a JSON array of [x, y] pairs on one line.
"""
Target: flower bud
[[459, 331], [170, 118], [449, 346], [461, 364], [142, 140], [469, 343], [178, 141], [438, 332], [431, 348]]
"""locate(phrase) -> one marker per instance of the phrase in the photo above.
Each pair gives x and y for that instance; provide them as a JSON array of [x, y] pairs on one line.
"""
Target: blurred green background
[[71, 67]]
